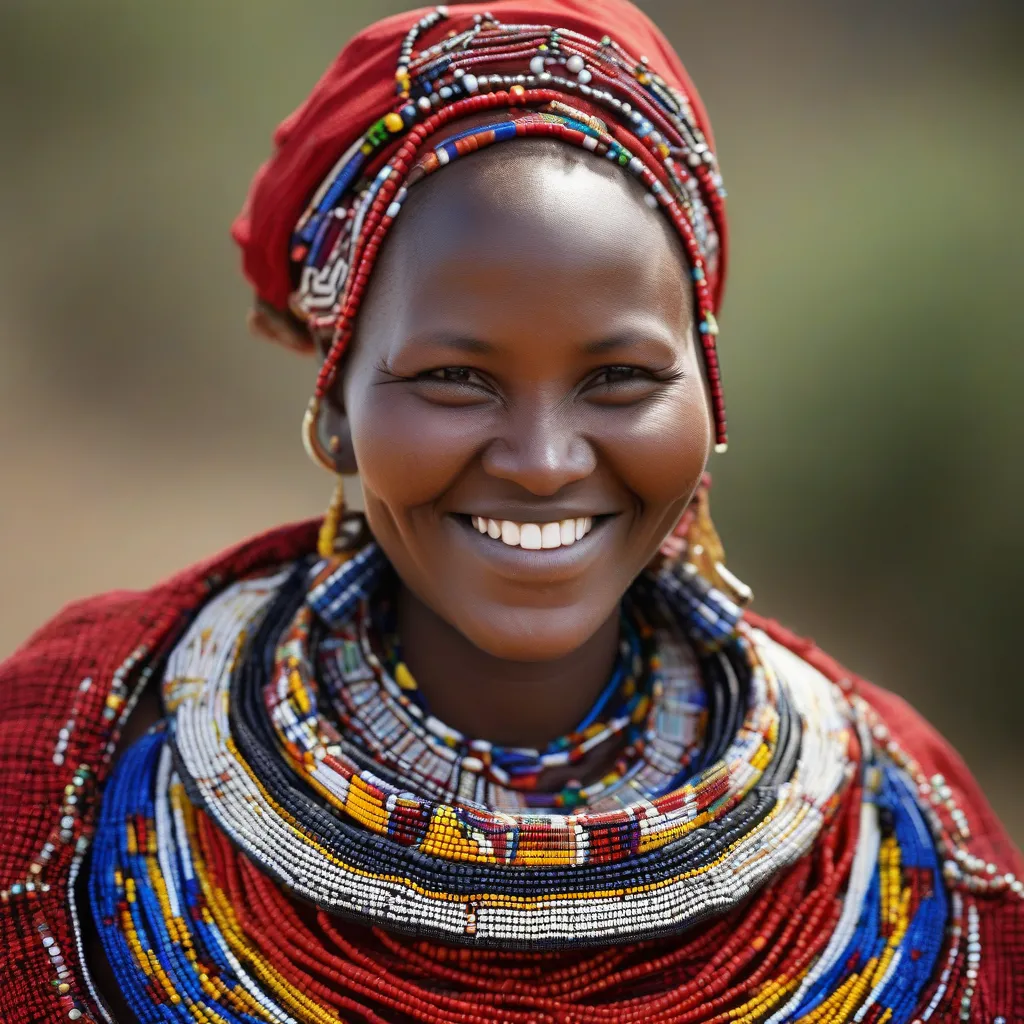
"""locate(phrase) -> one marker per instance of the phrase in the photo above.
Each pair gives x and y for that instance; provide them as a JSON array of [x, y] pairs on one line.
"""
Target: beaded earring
[[691, 563], [323, 456], [327, 541]]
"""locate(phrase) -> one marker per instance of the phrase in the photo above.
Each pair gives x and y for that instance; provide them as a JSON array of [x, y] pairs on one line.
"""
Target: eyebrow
[[619, 341], [477, 346], [459, 342]]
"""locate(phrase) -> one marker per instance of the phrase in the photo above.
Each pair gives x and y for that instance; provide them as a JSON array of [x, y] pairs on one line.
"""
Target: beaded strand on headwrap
[[553, 80]]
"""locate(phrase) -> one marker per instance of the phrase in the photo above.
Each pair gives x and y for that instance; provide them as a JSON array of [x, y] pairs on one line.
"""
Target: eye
[[452, 386], [626, 385], [451, 375], [618, 374]]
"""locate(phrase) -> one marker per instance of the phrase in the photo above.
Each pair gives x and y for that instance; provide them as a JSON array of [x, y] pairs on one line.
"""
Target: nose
[[541, 450]]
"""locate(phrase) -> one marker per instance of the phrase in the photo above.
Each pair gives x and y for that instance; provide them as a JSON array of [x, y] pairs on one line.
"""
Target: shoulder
[[981, 861], [66, 692], [65, 696], [937, 763]]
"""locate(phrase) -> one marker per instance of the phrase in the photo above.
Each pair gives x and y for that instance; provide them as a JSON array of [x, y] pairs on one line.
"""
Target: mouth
[[517, 550], [531, 536]]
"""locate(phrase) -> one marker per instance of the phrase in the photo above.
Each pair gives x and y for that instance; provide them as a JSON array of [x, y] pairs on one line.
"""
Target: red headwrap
[[343, 116], [359, 87]]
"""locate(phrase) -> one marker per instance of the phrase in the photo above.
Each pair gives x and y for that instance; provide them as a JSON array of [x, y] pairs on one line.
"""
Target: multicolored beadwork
[[273, 780], [541, 82], [653, 679]]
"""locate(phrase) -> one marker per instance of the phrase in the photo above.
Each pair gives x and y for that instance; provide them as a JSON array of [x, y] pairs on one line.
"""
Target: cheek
[[661, 449], [409, 452]]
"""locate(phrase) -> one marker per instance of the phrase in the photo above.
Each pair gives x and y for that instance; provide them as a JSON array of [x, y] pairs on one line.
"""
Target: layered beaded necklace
[[381, 710], [271, 854]]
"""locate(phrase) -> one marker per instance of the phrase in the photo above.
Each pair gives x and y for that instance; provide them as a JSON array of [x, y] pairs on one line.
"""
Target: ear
[[336, 434]]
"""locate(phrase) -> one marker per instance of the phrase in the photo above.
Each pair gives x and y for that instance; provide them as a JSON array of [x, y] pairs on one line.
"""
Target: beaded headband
[[541, 82]]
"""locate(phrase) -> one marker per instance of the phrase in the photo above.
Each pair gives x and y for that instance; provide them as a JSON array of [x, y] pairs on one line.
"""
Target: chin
[[530, 634]]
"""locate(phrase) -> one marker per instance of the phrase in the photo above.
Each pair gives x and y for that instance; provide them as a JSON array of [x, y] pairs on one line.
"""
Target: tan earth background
[[871, 336]]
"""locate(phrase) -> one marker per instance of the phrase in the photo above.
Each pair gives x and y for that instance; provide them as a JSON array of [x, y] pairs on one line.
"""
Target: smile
[[534, 536]]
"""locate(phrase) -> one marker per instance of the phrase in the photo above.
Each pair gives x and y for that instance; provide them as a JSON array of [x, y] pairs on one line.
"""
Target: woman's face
[[526, 357]]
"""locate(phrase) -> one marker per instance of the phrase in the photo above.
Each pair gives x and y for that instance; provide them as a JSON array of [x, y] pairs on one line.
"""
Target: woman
[[507, 749]]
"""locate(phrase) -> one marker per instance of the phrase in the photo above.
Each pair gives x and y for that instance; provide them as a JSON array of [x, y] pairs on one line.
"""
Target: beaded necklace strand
[[349, 666], [198, 928]]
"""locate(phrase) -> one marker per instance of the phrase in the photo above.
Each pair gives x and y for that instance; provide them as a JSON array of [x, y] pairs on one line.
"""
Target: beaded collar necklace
[[212, 819], [380, 710]]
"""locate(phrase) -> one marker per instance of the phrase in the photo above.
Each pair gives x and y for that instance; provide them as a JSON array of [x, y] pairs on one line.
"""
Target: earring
[[311, 437], [327, 542], [692, 571], [695, 542]]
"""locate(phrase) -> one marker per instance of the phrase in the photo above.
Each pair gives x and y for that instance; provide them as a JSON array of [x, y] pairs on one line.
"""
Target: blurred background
[[871, 337]]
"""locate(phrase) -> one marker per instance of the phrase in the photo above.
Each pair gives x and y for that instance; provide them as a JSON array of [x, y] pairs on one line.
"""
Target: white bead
[[575, 64], [470, 83], [423, 103], [584, 77], [537, 65]]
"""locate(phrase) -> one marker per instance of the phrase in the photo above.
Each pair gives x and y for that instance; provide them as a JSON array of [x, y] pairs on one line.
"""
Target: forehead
[[528, 229]]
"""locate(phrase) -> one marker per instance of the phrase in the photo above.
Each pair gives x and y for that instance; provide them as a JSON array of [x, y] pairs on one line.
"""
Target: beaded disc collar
[[661, 847], [255, 790]]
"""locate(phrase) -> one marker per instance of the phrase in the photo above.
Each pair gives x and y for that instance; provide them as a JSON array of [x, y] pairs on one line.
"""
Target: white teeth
[[551, 535], [534, 536], [530, 537]]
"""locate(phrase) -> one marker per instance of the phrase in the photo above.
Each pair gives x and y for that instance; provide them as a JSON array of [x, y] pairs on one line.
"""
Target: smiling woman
[[506, 746]]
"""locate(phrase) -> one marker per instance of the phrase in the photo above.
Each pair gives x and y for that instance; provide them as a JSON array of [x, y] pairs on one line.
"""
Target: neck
[[510, 703]]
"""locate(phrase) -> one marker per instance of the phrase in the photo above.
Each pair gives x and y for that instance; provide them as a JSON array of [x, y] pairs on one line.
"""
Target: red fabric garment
[[50, 725], [359, 87]]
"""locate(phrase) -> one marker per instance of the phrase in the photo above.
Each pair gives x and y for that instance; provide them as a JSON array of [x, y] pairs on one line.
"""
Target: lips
[[534, 536]]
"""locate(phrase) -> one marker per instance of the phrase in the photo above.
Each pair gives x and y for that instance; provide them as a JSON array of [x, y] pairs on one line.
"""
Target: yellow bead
[[393, 122]]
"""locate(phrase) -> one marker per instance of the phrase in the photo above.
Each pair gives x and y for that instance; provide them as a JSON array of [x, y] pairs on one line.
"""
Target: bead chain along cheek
[[218, 818], [552, 80]]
